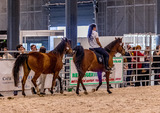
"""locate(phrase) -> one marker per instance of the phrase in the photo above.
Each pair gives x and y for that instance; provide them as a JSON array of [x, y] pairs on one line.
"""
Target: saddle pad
[[99, 56]]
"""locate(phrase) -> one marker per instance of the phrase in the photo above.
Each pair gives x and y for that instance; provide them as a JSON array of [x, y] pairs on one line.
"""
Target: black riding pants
[[104, 53]]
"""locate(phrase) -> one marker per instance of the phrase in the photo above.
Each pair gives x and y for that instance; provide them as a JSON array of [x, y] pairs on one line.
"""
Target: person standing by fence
[[129, 60], [139, 65], [19, 48], [33, 49], [156, 58], [42, 76], [146, 65], [6, 55]]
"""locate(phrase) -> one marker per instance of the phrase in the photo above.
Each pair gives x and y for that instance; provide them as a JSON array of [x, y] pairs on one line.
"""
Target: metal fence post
[[150, 70]]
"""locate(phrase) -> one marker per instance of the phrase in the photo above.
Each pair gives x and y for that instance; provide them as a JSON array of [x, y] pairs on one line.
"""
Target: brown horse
[[86, 60], [46, 63]]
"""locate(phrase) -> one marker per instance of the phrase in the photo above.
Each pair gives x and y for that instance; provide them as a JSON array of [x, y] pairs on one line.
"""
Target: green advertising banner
[[91, 78]]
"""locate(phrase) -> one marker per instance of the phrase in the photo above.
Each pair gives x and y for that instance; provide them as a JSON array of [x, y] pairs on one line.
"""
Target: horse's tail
[[79, 54], [19, 62]]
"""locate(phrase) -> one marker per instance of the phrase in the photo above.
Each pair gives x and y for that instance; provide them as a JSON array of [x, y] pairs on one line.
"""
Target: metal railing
[[141, 75], [133, 77]]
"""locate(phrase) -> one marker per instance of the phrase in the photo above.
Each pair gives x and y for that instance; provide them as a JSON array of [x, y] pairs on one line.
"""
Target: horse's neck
[[113, 52], [60, 55]]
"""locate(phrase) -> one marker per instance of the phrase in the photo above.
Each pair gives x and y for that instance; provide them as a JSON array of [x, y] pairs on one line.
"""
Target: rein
[[113, 51]]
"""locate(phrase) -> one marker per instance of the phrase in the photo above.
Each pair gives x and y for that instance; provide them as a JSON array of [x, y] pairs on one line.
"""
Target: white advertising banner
[[91, 78], [7, 81]]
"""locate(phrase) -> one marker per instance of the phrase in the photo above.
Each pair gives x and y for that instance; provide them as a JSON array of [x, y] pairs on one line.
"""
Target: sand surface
[[122, 100]]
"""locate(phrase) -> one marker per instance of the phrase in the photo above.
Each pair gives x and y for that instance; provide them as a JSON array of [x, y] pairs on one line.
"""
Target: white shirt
[[92, 40], [7, 56]]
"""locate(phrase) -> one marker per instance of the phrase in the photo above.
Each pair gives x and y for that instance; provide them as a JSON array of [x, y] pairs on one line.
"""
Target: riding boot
[[107, 67]]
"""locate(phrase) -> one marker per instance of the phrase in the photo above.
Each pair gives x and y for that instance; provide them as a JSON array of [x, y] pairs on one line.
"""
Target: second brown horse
[[86, 60]]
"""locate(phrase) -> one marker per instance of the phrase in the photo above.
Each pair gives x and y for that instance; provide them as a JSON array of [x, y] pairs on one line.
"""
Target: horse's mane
[[111, 45], [60, 47]]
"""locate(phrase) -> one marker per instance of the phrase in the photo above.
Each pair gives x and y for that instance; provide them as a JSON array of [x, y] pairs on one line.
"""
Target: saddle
[[100, 57]]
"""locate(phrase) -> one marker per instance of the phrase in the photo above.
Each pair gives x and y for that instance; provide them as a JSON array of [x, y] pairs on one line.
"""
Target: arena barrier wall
[[6, 77], [91, 78]]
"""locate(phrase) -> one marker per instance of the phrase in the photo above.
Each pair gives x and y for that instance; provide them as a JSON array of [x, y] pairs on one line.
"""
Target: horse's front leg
[[84, 88], [100, 80], [55, 75], [61, 87], [107, 81]]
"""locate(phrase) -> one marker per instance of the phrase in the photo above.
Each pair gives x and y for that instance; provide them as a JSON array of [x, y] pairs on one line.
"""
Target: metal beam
[[71, 21], [61, 4], [39, 33], [157, 22], [13, 24]]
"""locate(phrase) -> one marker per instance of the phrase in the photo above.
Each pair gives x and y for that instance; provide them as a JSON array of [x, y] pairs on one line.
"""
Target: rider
[[96, 45]]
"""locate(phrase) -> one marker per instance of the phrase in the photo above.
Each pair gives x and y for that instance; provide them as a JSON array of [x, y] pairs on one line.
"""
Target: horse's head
[[68, 48], [120, 48]]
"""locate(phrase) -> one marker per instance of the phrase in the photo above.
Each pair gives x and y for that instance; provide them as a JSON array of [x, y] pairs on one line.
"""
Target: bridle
[[116, 50], [67, 48]]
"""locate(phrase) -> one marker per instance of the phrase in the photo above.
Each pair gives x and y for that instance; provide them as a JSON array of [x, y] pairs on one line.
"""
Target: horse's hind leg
[[78, 83], [81, 75], [56, 74], [34, 79], [61, 87], [26, 73]]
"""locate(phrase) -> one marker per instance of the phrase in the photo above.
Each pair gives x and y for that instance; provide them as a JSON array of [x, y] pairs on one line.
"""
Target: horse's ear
[[69, 40], [122, 44], [63, 39], [115, 38], [66, 39]]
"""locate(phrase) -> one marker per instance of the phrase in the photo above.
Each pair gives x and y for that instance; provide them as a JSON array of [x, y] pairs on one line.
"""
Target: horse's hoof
[[86, 93], [51, 91], [64, 94], [9, 98], [61, 91], [23, 94], [40, 95], [78, 95], [109, 91], [93, 90]]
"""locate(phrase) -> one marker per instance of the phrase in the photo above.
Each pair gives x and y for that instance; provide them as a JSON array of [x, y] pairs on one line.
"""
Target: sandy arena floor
[[122, 100]]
